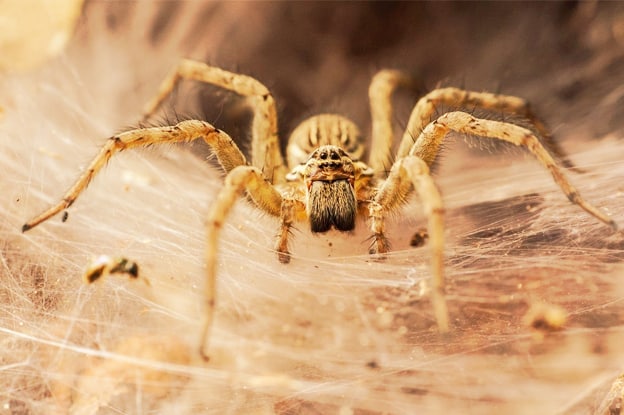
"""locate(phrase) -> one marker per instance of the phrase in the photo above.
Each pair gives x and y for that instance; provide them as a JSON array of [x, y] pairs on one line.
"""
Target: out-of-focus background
[[534, 284]]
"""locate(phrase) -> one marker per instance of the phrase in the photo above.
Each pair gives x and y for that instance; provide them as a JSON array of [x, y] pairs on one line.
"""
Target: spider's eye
[[323, 155], [335, 155]]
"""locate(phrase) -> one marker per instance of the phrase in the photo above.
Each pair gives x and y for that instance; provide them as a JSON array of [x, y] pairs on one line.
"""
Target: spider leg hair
[[223, 146], [428, 143], [380, 91], [265, 146], [451, 97], [406, 173], [288, 214], [263, 193]]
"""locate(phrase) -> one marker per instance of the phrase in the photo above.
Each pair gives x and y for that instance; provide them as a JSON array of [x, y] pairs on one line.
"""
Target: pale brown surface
[[333, 332]]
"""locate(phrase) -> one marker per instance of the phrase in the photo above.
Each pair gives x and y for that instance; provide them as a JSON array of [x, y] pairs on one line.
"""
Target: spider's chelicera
[[326, 182], [329, 179]]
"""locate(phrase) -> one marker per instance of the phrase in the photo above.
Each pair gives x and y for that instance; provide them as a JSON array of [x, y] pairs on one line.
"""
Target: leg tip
[[377, 256], [283, 257], [443, 328], [613, 225], [379, 247], [26, 227]]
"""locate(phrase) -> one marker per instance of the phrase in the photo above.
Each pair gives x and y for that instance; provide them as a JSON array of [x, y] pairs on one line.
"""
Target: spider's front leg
[[428, 143], [407, 172], [223, 146], [265, 196], [265, 148]]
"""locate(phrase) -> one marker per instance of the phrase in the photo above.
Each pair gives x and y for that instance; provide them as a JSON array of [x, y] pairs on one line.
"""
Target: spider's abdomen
[[331, 204], [321, 130]]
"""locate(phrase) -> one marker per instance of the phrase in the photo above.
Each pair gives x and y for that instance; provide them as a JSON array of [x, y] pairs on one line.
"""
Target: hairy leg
[[291, 209], [223, 146], [380, 91], [428, 143], [407, 172], [242, 178], [266, 153], [455, 98]]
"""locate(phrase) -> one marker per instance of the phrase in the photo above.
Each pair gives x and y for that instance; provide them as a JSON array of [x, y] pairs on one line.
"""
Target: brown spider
[[327, 184]]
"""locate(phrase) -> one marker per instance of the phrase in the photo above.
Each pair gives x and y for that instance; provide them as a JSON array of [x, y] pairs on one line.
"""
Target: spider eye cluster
[[329, 163], [326, 163], [329, 153]]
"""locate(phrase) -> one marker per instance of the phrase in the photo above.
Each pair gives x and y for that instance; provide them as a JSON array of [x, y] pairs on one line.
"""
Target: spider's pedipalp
[[289, 212]]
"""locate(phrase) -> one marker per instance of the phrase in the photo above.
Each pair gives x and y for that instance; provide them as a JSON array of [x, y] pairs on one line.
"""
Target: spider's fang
[[331, 204]]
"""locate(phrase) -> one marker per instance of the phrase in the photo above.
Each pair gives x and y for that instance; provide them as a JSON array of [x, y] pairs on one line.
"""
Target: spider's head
[[329, 176]]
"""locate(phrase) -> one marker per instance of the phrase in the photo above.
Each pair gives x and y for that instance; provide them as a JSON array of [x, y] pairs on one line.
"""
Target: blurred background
[[332, 333], [320, 56]]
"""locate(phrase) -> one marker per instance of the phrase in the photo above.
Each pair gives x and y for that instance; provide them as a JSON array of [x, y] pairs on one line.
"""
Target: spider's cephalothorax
[[328, 185], [330, 174], [329, 178]]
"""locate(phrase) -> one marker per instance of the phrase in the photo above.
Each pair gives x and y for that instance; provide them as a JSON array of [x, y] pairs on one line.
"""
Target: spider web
[[332, 332]]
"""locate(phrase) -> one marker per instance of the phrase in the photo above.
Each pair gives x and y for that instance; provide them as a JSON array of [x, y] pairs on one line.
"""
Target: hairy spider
[[326, 183]]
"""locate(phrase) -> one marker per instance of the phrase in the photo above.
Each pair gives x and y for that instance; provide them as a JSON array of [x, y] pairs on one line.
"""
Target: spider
[[326, 182]]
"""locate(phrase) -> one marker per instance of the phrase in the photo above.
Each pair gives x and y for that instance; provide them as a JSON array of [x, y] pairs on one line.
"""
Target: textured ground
[[333, 332]]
